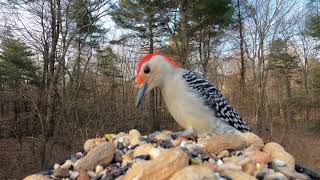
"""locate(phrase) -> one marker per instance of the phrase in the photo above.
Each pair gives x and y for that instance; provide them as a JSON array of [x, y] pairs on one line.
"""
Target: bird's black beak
[[141, 93]]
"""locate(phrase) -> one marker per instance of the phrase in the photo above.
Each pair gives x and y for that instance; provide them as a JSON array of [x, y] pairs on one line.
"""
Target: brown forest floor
[[302, 143], [18, 161]]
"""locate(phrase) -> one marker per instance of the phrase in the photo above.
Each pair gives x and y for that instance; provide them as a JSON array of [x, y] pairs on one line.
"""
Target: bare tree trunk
[[206, 52], [200, 49], [288, 101], [260, 86], [50, 121], [152, 96], [204, 49], [241, 35], [45, 65], [305, 77], [184, 33]]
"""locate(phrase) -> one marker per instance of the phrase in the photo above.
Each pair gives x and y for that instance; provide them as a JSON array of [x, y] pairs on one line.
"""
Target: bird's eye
[[146, 70]]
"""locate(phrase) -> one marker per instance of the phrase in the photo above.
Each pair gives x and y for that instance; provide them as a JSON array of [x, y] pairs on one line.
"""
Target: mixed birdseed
[[168, 155]]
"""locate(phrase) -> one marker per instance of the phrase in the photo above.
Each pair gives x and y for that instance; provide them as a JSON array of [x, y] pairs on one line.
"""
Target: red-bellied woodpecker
[[193, 101]]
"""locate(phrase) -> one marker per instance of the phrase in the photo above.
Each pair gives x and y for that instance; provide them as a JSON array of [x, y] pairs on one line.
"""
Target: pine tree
[[315, 76], [285, 64], [313, 19], [16, 63], [144, 18], [209, 18], [107, 62]]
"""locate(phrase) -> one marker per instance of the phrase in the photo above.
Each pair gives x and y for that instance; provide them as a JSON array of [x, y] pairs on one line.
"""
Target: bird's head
[[151, 71]]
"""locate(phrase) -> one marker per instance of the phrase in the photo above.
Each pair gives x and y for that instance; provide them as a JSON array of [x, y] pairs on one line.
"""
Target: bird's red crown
[[147, 57]]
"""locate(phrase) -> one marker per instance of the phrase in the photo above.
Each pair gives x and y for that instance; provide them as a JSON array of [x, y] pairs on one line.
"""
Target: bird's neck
[[166, 75], [169, 83]]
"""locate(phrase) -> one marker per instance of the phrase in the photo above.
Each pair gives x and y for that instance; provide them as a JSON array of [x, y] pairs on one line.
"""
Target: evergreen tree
[[86, 21], [286, 65], [16, 63], [217, 13], [88, 31], [284, 62], [314, 77], [313, 19], [209, 19], [196, 24], [107, 62], [143, 17]]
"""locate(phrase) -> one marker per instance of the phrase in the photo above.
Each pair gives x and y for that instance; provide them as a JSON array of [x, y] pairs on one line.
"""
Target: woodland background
[[67, 70]]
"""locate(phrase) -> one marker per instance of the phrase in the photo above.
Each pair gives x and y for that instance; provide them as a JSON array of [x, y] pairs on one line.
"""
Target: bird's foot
[[189, 133]]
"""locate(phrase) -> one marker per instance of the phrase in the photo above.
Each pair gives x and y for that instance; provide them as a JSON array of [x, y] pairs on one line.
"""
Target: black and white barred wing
[[214, 99]]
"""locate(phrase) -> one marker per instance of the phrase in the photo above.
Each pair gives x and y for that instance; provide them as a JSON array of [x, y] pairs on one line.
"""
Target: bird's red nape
[[147, 57]]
